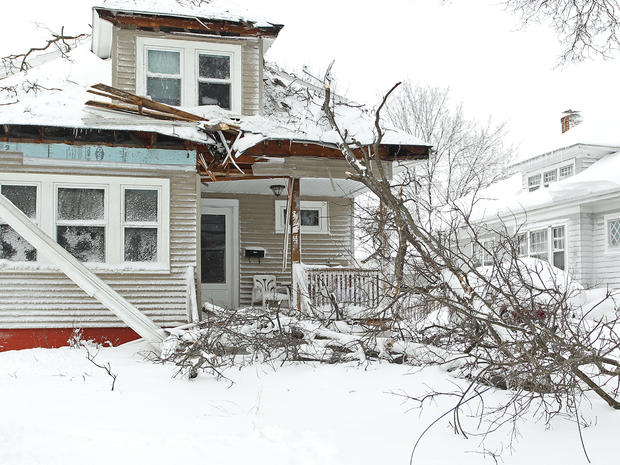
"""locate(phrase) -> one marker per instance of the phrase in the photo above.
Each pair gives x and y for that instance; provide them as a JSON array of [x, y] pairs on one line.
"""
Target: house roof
[[506, 198], [222, 10]]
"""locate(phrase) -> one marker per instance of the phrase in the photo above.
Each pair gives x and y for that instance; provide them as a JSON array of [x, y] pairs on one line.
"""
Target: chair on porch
[[264, 290]]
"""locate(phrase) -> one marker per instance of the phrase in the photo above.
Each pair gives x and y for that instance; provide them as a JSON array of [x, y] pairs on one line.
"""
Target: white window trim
[[322, 207], [550, 249], [142, 224], [47, 188], [606, 219], [189, 63], [104, 223], [541, 171]]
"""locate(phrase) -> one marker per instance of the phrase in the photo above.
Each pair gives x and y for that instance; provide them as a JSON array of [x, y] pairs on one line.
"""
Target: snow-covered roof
[[505, 198], [224, 10], [53, 93]]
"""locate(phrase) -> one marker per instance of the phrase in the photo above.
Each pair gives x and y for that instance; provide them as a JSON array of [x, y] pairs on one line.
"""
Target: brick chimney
[[570, 119]]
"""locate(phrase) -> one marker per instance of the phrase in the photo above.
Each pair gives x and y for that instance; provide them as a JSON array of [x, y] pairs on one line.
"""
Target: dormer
[[185, 55]]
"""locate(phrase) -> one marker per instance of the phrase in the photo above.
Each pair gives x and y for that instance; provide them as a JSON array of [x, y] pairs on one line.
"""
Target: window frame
[[191, 50], [534, 186], [148, 74], [550, 245], [47, 189], [86, 223], [321, 206], [611, 249], [141, 224], [553, 177], [199, 79], [36, 220], [564, 167]]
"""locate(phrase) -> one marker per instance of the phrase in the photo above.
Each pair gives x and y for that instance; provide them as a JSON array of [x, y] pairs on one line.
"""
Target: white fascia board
[[102, 37]]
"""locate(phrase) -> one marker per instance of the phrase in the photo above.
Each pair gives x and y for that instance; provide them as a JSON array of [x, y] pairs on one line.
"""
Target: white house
[[565, 202], [137, 204]]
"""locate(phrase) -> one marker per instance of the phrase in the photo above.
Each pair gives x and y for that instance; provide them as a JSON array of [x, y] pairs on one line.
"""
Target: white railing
[[348, 286]]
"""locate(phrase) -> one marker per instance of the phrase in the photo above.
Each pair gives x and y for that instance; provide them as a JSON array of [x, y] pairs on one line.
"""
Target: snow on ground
[[57, 408]]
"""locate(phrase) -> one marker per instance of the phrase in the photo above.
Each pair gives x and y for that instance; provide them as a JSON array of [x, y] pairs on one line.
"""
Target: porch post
[[295, 234]]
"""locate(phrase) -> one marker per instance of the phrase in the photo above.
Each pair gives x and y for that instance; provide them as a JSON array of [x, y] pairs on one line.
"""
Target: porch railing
[[349, 286]]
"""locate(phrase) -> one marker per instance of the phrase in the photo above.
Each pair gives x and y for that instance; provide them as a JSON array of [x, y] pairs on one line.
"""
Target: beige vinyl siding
[[46, 299], [257, 228], [124, 63]]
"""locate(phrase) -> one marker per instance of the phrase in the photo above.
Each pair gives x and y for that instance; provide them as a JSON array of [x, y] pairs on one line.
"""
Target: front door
[[219, 252]]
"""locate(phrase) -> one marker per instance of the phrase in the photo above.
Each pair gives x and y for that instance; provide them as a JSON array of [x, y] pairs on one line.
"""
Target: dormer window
[[549, 177], [163, 76], [533, 182], [189, 73]]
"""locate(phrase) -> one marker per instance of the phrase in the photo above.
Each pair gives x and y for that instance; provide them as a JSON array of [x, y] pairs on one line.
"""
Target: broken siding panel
[[48, 299], [124, 63], [257, 228]]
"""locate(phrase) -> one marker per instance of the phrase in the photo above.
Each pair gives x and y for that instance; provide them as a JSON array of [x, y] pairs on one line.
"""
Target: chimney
[[570, 119]]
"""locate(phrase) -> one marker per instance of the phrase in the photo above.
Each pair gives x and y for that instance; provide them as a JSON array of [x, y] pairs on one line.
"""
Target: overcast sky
[[493, 66]]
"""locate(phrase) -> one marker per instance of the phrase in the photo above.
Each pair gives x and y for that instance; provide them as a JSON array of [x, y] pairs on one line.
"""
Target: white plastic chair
[[264, 290]]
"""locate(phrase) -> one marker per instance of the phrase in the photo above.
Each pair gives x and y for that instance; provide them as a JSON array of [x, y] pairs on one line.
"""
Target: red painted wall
[[14, 339]]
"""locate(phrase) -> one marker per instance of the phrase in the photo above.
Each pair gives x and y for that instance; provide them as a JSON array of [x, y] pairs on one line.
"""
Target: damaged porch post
[[295, 234]]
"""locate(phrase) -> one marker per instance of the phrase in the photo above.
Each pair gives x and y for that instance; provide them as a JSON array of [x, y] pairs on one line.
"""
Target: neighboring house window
[[163, 75], [533, 182], [81, 222], [98, 219], [483, 254], [189, 73], [559, 246], [522, 245], [566, 171], [539, 246], [613, 233], [13, 247], [314, 216], [549, 177]]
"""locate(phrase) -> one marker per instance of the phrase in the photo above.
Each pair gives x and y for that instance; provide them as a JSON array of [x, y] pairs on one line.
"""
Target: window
[[558, 245], [549, 177], [539, 247], [163, 75], [566, 171], [613, 233], [140, 225], [214, 80], [314, 217], [533, 182], [98, 219], [522, 245], [483, 254], [81, 222], [13, 247], [189, 73]]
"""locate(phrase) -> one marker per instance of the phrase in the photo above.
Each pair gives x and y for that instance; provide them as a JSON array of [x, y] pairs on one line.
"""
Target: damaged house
[[158, 163]]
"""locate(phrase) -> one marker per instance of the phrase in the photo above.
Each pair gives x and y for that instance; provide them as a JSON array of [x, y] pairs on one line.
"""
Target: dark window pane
[[140, 244], [164, 90], [310, 218], [213, 248], [80, 204], [23, 197], [214, 66], [86, 243], [558, 260], [140, 205], [164, 62], [14, 247], [214, 94]]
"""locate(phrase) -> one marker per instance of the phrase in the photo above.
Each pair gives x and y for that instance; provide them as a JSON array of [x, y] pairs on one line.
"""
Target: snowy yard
[[57, 408]]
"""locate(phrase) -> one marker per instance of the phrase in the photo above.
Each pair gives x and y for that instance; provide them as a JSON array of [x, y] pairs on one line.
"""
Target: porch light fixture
[[277, 189]]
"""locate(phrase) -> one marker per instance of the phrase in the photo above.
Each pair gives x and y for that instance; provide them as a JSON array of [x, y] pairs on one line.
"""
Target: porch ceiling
[[311, 187]]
